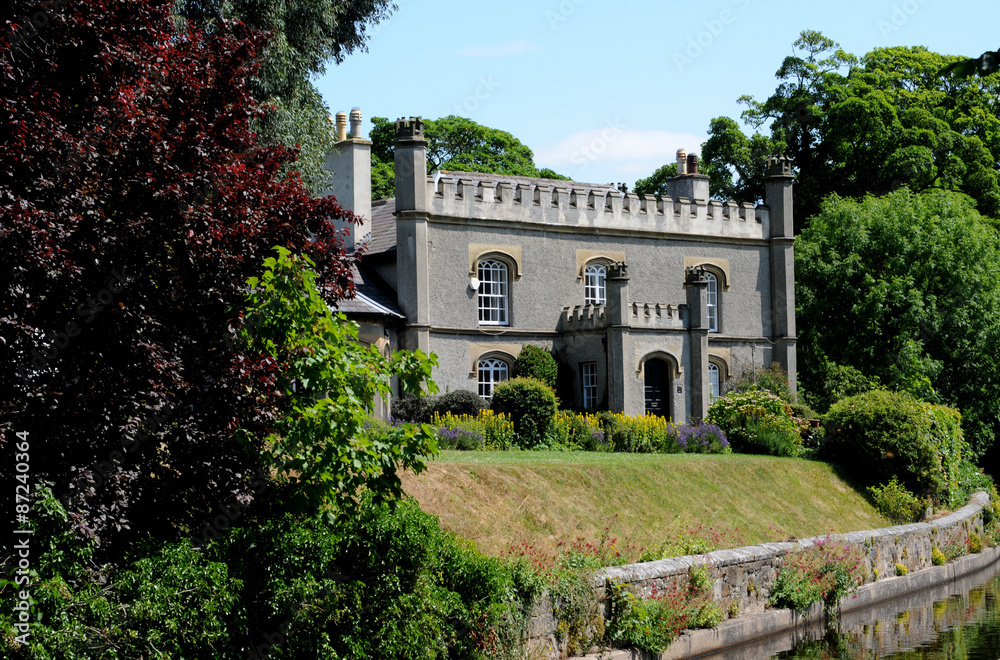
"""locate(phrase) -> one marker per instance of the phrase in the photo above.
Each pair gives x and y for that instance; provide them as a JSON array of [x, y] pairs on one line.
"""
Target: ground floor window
[[491, 372], [589, 377], [713, 380]]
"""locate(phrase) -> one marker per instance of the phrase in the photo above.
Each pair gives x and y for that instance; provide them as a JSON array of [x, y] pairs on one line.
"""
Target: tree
[[135, 204], [870, 125], [306, 35], [656, 183], [454, 143], [904, 288]]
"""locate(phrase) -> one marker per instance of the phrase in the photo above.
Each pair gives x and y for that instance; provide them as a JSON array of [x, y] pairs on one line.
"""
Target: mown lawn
[[547, 498]]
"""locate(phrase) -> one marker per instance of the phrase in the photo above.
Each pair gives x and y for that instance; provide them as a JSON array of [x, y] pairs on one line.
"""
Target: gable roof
[[371, 297]]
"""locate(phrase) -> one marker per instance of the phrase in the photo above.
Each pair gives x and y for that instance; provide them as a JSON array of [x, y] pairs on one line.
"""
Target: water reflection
[[958, 621]]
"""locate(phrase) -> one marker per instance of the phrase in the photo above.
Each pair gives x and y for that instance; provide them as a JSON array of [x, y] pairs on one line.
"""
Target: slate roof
[[383, 226], [372, 297]]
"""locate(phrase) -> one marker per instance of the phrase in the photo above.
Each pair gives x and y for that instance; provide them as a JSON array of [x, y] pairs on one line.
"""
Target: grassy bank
[[544, 498]]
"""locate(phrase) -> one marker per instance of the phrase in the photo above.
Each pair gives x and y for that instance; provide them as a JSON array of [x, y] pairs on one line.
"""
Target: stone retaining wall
[[743, 577]]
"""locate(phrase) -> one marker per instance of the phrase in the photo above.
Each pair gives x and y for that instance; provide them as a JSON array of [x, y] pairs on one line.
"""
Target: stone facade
[[685, 286]]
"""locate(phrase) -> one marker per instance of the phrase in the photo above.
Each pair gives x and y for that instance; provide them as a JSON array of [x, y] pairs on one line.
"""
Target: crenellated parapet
[[659, 316], [552, 202], [584, 318]]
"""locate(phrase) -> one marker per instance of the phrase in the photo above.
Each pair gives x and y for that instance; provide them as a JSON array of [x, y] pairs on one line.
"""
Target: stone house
[[649, 303]]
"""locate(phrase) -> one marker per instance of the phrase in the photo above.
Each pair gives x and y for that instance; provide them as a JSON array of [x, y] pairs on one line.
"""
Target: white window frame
[[714, 381], [712, 302], [588, 374], [494, 292], [491, 371], [595, 284]]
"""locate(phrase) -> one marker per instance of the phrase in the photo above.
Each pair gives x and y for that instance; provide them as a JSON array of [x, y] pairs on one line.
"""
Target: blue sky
[[607, 91]]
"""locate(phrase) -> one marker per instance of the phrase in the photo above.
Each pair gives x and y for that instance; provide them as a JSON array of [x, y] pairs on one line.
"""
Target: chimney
[[688, 183], [411, 165], [350, 167]]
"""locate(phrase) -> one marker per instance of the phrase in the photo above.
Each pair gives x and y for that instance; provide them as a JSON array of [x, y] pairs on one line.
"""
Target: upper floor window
[[491, 372], [712, 308], [588, 373], [594, 291], [494, 290], [713, 381]]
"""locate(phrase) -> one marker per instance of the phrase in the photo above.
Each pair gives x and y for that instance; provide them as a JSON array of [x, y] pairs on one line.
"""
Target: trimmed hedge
[[531, 405], [883, 434], [536, 362]]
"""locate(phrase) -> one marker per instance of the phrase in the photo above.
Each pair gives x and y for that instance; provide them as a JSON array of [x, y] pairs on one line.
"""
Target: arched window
[[713, 381], [493, 293], [491, 372], [712, 307], [594, 291]]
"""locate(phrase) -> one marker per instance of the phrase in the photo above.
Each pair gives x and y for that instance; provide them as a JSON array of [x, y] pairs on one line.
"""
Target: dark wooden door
[[657, 387]]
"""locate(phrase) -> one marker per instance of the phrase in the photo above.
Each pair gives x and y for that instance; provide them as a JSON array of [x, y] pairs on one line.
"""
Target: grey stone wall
[[745, 576]]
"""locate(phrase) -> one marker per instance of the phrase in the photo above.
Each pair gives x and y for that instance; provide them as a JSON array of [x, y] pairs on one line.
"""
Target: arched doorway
[[657, 377]]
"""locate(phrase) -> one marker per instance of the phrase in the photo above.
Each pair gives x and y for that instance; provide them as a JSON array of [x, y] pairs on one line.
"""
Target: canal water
[[955, 621]]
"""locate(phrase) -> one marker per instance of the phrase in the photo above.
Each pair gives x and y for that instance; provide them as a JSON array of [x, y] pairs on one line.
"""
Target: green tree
[[324, 446], [904, 288], [656, 183], [854, 126], [307, 34], [454, 143]]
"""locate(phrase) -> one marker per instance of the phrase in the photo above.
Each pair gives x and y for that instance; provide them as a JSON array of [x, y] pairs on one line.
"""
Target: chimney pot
[[355, 122], [341, 124], [681, 162], [692, 164]]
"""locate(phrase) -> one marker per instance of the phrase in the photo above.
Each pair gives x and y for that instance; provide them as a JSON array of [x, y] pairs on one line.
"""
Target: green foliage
[[412, 408], [825, 572], [456, 144], [882, 434], [901, 570], [756, 422], [774, 379], [388, 582], [322, 445], [654, 434], [937, 557], [833, 382], [457, 402], [491, 430], [531, 405], [306, 36], [896, 503], [536, 362], [576, 431], [870, 125], [916, 275], [656, 183]]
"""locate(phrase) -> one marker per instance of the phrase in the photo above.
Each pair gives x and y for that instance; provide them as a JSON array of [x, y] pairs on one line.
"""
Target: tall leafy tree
[[454, 143], [135, 203], [905, 288], [306, 35], [854, 126]]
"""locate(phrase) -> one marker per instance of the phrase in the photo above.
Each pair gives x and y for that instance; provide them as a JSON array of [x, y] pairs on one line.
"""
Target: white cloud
[[615, 143], [515, 48]]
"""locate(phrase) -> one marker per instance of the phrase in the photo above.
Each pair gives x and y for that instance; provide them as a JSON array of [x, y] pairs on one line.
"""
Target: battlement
[[660, 316], [553, 202], [584, 317]]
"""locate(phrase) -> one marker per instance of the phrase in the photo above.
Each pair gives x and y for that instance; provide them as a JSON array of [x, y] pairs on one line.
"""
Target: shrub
[[896, 503], [576, 431], [773, 379], [840, 382], [495, 431], [456, 402], [531, 405], [882, 434], [702, 439], [901, 570], [536, 362], [756, 422], [937, 557], [412, 408], [458, 438], [824, 572]]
